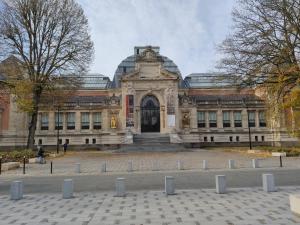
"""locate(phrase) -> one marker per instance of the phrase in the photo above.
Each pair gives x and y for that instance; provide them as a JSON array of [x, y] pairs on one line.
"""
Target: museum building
[[148, 101]]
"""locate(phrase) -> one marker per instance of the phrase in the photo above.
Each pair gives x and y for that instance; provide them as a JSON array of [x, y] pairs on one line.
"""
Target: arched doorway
[[150, 114]]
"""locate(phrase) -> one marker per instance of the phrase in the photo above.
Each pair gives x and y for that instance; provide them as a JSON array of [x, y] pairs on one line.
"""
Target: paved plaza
[[246, 206], [147, 161]]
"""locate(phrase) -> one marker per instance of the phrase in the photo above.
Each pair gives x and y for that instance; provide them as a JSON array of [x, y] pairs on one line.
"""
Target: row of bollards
[[180, 165], [16, 190]]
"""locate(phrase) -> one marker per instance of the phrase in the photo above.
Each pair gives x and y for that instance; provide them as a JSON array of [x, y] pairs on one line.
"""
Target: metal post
[[57, 144], [0, 164], [51, 167], [249, 129], [280, 159], [24, 163]]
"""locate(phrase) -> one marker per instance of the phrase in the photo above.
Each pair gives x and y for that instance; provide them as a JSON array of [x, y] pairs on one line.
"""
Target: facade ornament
[[113, 122], [186, 119]]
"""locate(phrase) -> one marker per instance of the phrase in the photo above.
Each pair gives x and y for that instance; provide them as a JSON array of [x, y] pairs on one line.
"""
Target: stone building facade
[[147, 97]]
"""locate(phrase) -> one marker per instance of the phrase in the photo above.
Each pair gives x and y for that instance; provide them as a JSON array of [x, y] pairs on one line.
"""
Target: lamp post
[[57, 135], [249, 129]]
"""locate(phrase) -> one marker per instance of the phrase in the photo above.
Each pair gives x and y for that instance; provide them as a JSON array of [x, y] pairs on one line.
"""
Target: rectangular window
[[262, 138], [59, 118], [60, 141], [230, 139], [85, 121], [94, 140], [212, 139], [226, 119], [205, 139], [256, 138], [212, 116], [251, 115], [262, 119], [201, 119], [44, 121], [237, 119], [40, 141], [97, 121], [71, 121], [237, 138], [87, 141]]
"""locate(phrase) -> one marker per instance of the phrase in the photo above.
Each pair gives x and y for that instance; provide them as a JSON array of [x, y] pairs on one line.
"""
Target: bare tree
[[264, 48], [51, 40]]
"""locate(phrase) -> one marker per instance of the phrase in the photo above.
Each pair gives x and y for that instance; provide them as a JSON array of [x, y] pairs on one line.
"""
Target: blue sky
[[187, 31]]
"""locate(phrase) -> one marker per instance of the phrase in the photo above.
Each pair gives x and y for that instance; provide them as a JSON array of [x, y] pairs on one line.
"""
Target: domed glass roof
[[128, 65]]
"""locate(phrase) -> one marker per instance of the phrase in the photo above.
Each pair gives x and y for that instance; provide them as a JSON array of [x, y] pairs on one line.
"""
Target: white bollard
[[231, 164], [169, 185], [67, 189], [221, 184], [77, 168], [120, 187], [179, 165], [268, 183], [255, 163], [204, 164], [16, 190], [130, 166], [103, 167]]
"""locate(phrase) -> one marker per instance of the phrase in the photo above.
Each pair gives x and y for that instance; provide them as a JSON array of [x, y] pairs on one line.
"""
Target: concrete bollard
[[231, 164], [268, 183], [155, 166], [103, 167], [255, 163], [67, 188], [169, 185], [16, 190], [120, 187], [179, 165], [220, 184], [77, 168], [130, 166], [204, 165], [295, 204]]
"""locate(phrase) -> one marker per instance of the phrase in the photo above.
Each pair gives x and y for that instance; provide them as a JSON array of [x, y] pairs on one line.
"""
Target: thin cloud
[[186, 30]]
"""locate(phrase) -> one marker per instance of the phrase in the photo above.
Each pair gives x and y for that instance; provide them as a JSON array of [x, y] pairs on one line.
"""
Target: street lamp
[[249, 129]]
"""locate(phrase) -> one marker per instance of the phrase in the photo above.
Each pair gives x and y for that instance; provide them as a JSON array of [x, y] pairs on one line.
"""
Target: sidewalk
[[246, 206]]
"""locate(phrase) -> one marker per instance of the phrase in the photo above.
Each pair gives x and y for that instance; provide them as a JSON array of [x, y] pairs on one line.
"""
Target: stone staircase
[[152, 142]]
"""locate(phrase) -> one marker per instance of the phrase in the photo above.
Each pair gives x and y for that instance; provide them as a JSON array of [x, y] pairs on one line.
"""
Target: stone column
[[91, 121], [51, 121], [231, 119], [244, 118], [77, 121], [256, 119], [219, 118], [194, 122], [206, 119]]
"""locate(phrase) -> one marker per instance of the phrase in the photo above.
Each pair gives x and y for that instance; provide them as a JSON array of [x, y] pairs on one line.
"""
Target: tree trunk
[[33, 119]]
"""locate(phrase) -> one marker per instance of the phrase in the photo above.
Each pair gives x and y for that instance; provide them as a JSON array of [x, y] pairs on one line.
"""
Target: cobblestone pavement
[[165, 161], [247, 206]]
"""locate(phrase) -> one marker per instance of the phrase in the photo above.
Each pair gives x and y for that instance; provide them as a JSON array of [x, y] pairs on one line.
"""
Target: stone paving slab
[[243, 206], [91, 162]]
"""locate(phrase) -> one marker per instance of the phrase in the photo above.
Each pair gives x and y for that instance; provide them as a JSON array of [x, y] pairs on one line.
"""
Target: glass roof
[[207, 80]]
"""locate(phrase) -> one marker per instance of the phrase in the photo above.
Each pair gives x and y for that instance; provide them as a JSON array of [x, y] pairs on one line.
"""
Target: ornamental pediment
[[148, 74]]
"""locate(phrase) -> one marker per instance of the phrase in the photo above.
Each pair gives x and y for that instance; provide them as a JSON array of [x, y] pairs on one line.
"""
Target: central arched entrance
[[150, 114]]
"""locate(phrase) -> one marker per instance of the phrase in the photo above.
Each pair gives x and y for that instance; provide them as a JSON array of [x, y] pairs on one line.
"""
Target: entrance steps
[[152, 142]]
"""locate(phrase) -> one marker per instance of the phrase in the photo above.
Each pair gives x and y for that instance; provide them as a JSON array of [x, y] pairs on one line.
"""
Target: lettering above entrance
[[150, 114]]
